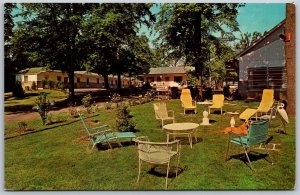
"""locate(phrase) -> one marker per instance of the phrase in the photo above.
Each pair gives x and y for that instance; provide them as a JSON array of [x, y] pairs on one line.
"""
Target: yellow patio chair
[[185, 92], [161, 113], [218, 102], [265, 105], [158, 153], [187, 102]]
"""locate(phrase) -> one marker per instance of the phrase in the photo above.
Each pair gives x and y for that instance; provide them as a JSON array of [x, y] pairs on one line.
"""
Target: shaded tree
[[115, 48], [9, 66], [189, 29], [47, 36]]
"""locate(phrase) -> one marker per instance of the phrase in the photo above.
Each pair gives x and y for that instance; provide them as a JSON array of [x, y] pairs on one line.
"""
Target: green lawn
[[55, 157], [13, 104]]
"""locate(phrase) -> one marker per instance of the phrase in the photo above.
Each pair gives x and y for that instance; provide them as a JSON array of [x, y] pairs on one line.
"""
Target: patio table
[[177, 129]]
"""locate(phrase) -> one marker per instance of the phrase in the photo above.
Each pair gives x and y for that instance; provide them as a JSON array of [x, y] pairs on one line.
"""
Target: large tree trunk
[[106, 82], [290, 57], [119, 81]]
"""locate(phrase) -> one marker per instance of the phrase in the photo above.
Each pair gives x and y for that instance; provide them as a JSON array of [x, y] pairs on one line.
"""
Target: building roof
[[83, 72], [34, 70], [171, 70], [261, 39]]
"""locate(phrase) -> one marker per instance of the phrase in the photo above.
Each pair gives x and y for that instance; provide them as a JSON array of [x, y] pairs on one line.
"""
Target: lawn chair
[[218, 102], [187, 102], [257, 134], [158, 153], [103, 135], [161, 113], [264, 107]]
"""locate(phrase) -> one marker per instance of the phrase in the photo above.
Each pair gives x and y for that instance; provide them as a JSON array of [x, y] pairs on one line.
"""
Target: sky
[[252, 17]]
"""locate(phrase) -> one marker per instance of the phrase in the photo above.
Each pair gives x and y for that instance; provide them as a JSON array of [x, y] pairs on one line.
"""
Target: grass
[[13, 104], [55, 157]]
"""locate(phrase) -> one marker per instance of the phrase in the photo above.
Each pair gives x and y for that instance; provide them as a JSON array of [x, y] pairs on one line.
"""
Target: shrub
[[22, 125], [108, 106], [87, 103], [60, 85], [124, 119], [43, 106], [18, 90], [73, 110], [52, 84], [33, 86]]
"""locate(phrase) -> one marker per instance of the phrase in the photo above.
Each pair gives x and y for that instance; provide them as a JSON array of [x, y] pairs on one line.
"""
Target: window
[[158, 78], [116, 82], [150, 79], [78, 80], [178, 79], [25, 79], [97, 81], [167, 79], [87, 81], [267, 77], [59, 78]]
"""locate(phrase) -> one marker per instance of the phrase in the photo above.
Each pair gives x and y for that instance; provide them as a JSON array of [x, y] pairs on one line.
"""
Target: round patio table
[[177, 129]]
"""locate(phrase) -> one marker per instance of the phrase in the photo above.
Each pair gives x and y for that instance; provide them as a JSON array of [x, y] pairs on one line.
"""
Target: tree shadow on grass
[[45, 129]]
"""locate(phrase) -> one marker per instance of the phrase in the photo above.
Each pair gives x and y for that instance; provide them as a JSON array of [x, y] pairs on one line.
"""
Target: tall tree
[[190, 28], [8, 33], [113, 29], [47, 35]]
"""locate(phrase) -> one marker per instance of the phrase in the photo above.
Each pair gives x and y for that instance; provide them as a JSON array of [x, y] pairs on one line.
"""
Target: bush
[[18, 90], [124, 119], [73, 110], [87, 103], [52, 84], [22, 125], [108, 106], [43, 106], [33, 86], [60, 85]]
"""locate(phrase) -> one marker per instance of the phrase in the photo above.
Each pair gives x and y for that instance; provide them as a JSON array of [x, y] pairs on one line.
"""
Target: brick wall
[[290, 57]]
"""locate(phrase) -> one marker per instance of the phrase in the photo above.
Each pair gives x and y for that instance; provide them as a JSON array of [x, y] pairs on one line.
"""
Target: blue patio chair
[[257, 134], [103, 135]]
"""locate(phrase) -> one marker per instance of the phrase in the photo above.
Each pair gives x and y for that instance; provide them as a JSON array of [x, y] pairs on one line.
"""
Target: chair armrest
[[171, 111], [101, 132]]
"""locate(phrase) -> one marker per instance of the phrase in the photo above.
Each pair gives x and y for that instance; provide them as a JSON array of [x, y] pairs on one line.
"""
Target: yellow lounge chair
[[265, 105], [187, 101], [161, 113], [218, 102]]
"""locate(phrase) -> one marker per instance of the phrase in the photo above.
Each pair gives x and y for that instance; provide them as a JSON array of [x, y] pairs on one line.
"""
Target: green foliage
[[43, 106], [18, 90], [124, 119], [187, 30], [113, 44], [33, 86], [60, 85], [22, 125], [87, 103]]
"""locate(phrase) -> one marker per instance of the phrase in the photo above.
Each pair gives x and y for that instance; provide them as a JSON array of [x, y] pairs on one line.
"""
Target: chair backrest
[[157, 152], [160, 110], [185, 92], [84, 125], [218, 100], [257, 132], [267, 100]]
